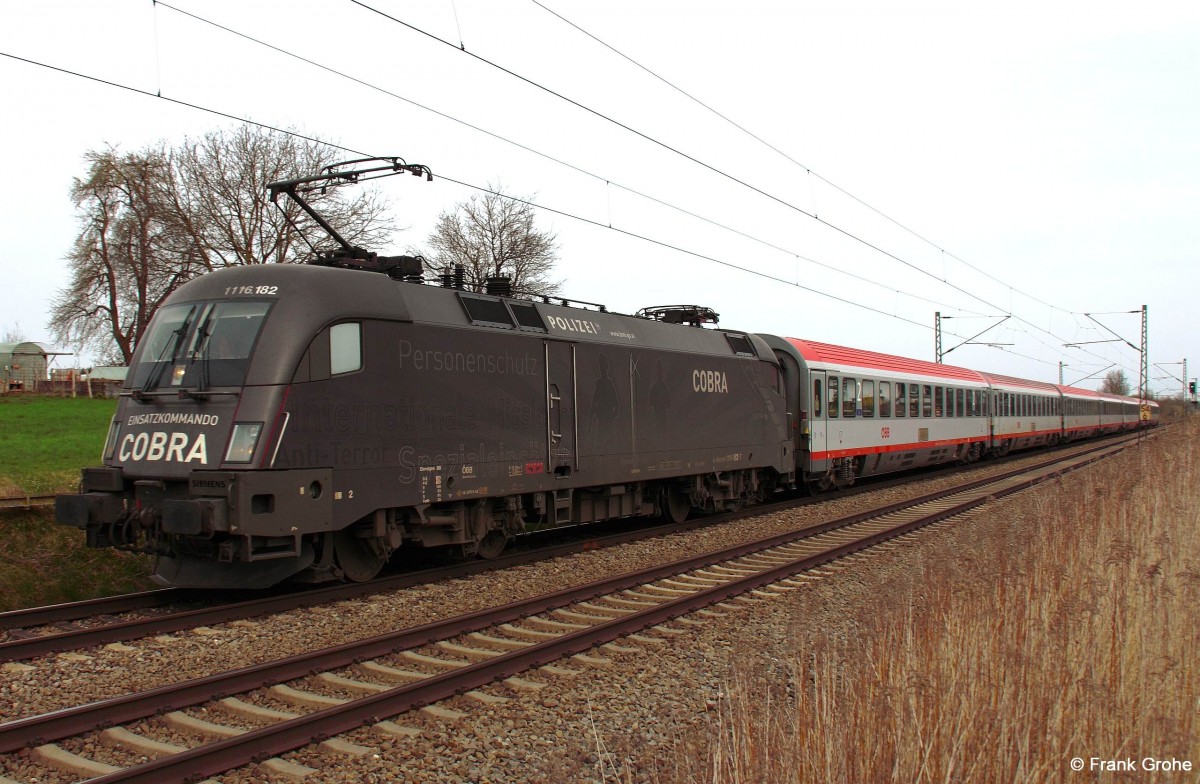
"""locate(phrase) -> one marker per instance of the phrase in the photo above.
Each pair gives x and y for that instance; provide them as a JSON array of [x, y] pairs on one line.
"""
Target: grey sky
[[1054, 147]]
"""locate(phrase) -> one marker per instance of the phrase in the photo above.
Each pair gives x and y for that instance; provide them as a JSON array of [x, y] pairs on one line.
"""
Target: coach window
[[914, 401], [868, 398], [901, 399], [926, 400], [959, 403], [817, 401], [833, 397], [938, 402], [849, 396], [885, 398], [345, 348]]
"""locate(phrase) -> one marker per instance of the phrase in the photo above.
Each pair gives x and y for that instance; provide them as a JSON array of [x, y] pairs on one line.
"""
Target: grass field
[[44, 441], [1062, 627]]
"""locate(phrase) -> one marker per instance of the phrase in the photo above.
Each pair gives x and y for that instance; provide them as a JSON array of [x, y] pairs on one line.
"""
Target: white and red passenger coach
[[859, 413]]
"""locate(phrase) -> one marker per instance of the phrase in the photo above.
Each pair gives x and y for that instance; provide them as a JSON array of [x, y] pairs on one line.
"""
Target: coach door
[[818, 397], [562, 426]]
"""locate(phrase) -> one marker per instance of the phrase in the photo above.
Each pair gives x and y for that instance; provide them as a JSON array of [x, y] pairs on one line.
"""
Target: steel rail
[[73, 721], [257, 745], [40, 645]]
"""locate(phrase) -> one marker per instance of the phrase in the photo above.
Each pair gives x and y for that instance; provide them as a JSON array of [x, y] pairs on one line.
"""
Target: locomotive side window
[[849, 396], [817, 401], [885, 398], [345, 348], [833, 397], [868, 398]]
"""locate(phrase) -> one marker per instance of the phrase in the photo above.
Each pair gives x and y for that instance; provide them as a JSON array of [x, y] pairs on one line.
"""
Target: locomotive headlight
[[242, 442], [110, 445]]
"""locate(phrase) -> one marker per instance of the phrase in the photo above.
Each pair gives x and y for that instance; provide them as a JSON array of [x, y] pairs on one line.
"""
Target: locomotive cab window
[[199, 345]]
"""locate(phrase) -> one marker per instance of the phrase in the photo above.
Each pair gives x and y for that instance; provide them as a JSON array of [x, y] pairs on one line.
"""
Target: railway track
[[342, 688], [39, 631], [26, 501]]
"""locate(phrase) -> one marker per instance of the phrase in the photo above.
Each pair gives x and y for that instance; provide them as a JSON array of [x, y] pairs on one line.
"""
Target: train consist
[[308, 421], [284, 421]]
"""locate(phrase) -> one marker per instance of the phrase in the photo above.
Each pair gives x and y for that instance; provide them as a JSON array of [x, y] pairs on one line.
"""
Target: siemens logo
[[710, 381]]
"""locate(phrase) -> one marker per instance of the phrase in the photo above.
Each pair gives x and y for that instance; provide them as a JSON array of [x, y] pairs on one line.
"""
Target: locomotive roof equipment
[[351, 256]]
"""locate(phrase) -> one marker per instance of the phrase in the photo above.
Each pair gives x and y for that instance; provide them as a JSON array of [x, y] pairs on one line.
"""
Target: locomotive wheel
[[676, 505], [355, 556], [492, 544]]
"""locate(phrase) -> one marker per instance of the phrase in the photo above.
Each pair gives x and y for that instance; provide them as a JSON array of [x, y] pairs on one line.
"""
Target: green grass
[[44, 441]]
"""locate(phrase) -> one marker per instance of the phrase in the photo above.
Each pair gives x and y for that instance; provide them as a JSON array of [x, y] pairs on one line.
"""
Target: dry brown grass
[[1078, 638]]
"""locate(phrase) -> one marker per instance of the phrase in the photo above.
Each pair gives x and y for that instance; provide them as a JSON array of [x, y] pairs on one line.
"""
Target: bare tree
[[131, 252], [12, 333], [492, 235], [1116, 383], [223, 195], [152, 220]]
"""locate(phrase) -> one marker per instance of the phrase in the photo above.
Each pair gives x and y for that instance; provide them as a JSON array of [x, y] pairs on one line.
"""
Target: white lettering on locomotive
[[173, 418], [159, 446], [574, 325], [710, 381]]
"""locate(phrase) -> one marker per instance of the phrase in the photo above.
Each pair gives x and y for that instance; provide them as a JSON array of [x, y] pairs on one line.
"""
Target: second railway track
[[416, 667]]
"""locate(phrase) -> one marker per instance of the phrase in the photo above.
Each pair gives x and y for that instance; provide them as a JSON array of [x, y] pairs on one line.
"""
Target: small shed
[[23, 366]]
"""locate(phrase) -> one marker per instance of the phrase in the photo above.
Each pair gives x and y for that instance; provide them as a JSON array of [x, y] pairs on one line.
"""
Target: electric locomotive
[[307, 421]]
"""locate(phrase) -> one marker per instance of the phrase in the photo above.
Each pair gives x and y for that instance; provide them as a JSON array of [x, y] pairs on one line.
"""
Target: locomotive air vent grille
[[741, 345], [527, 316], [486, 311]]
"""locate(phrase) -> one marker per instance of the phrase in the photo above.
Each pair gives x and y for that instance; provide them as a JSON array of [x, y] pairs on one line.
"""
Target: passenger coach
[[862, 413]]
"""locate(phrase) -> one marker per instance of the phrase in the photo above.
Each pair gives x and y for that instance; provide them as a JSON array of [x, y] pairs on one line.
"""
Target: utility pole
[[937, 337]]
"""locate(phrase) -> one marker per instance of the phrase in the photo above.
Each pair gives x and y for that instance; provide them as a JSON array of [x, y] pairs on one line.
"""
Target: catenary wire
[[363, 154], [703, 164]]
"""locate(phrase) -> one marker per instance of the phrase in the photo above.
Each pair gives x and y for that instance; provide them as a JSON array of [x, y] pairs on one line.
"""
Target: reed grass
[[1075, 633]]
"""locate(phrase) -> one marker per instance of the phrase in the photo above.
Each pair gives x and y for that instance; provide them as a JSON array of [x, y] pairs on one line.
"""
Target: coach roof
[[826, 356]]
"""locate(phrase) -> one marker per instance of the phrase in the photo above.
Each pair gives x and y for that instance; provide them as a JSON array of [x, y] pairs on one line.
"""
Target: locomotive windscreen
[[199, 345]]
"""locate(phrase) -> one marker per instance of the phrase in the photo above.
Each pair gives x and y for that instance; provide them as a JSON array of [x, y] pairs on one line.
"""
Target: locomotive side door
[[562, 423]]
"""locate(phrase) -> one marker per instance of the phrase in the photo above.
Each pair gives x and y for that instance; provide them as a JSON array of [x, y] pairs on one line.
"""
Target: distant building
[[23, 366]]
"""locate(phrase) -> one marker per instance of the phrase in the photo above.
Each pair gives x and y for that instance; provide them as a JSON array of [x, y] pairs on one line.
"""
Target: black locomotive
[[281, 419]]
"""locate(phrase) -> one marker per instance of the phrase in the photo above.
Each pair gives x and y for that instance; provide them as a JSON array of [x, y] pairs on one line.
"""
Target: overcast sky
[[1033, 159]]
